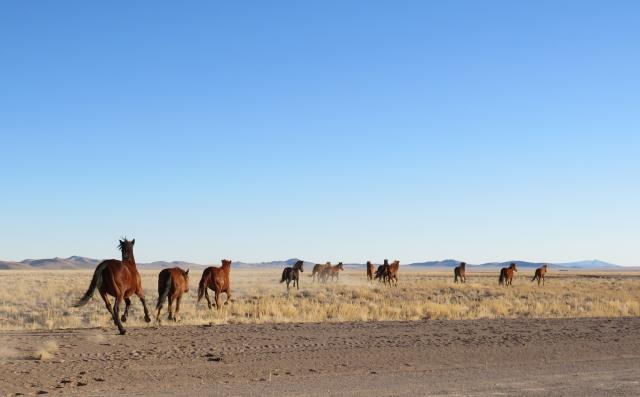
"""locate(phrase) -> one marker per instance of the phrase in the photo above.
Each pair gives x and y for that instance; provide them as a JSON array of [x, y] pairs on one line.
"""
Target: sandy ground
[[537, 357]]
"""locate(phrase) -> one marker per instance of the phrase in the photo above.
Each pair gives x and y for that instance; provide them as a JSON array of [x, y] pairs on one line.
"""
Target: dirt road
[[582, 357]]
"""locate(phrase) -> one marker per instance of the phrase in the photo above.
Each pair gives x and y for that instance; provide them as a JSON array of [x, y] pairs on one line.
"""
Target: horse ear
[[133, 242], [187, 272]]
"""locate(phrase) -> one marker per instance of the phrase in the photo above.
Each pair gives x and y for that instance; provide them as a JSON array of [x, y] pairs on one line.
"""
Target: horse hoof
[[123, 319], [147, 319], [123, 331]]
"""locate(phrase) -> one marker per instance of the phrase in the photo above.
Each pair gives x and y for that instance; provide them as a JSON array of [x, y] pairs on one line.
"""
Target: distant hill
[[79, 262]]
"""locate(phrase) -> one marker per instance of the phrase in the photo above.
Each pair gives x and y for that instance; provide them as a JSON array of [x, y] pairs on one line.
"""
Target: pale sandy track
[[584, 357]]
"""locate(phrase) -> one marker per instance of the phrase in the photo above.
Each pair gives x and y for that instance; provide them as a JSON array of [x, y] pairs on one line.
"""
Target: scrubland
[[43, 299]]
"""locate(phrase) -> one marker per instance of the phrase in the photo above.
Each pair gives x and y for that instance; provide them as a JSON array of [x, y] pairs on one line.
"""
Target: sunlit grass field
[[43, 299]]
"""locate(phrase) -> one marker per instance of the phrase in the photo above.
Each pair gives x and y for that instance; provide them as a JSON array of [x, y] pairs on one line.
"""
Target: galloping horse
[[216, 278], [392, 274], [318, 269], [119, 279], [540, 273], [371, 269], [506, 274], [458, 272], [382, 274], [290, 274], [331, 271], [172, 283]]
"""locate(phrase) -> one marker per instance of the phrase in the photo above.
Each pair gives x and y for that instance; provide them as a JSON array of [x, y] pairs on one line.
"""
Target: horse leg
[[175, 314], [127, 304], [228, 292], [206, 295], [116, 314], [297, 281], [158, 315], [105, 298], [288, 281], [171, 315], [217, 299], [147, 318]]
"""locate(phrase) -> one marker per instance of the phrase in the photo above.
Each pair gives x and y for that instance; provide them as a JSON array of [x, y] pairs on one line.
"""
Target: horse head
[[126, 247]]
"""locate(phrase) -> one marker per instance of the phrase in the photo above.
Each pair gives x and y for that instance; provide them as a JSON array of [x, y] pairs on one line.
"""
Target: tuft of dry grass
[[46, 350], [43, 299]]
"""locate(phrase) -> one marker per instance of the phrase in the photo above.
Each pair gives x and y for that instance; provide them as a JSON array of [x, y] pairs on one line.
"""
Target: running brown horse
[[290, 274], [540, 273], [172, 283], [216, 278], [459, 273], [318, 269], [371, 269], [506, 274], [392, 274], [382, 274], [331, 271], [119, 279]]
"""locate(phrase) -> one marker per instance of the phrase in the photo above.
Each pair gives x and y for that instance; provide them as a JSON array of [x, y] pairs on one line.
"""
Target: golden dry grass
[[42, 300]]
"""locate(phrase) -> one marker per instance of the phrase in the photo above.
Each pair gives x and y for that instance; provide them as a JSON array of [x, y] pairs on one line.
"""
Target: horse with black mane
[[317, 271], [172, 283], [371, 269], [290, 274], [331, 271], [216, 278], [119, 279], [382, 274], [506, 274], [459, 273], [392, 272]]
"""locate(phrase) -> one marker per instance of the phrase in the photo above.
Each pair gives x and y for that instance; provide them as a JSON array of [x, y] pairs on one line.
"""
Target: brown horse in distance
[[172, 283], [119, 279], [317, 271], [459, 273], [290, 274], [331, 271], [540, 273], [216, 278], [506, 274], [371, 269], [392, 274]]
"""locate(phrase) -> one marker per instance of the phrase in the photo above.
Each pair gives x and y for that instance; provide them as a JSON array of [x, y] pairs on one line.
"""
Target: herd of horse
[[121, 279]]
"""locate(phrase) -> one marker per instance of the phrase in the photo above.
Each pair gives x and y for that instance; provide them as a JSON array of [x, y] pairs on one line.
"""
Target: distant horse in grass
[[119, 279], [216, 278], [332, 271], [540, 273], [371, 269], [506, 274], [317, 271], [172, 283], [290, 274], [392, 273], [382, 274], [459, 273]]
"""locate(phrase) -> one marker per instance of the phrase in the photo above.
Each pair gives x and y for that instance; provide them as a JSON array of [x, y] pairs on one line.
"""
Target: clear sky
[[350, 131]]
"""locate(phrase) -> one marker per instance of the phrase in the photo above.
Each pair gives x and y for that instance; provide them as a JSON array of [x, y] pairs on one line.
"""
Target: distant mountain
[[79, 262]]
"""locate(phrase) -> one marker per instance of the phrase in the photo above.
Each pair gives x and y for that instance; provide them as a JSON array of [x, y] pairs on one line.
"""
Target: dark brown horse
[[216, 278], [459, 273], [540, 273], [331, 271], [318, 269], [382, 274], [119, 279], [371, 269], [290, 274], [506, 274], [392, 273], [172, 283]]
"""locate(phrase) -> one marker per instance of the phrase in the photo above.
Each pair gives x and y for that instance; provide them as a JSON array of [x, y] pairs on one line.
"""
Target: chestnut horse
[[540, 273], [119, 279], [371, 269], [172, 283], [216, 278], [331, 271], [506, 274], [290, 274], [458, 272], [392, 273], [318, 269]]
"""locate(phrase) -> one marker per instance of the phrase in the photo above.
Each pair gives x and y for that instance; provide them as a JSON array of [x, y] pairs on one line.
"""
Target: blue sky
[[331, 131]]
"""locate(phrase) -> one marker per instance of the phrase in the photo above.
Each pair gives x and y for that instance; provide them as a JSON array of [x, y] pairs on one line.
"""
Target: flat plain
[[577, 335]]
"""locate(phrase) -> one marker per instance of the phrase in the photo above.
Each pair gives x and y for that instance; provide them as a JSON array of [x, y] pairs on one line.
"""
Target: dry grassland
[[43, 299]]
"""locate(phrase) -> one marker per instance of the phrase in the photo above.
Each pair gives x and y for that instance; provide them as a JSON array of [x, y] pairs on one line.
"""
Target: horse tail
[[284, 275], [96, 282], [502, 277], [163, 290], [202, 287], [534, 277]]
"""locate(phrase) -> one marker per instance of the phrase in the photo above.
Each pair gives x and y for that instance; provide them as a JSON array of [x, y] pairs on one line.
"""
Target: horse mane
[[126, 247]]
